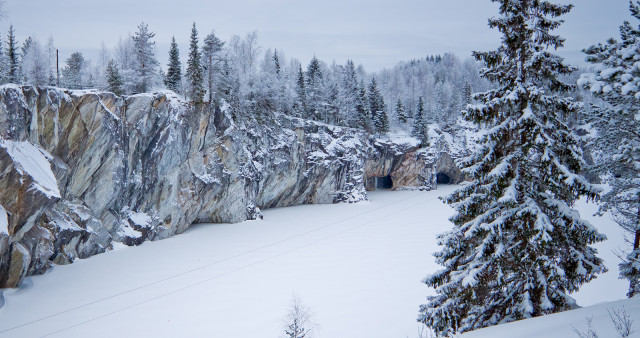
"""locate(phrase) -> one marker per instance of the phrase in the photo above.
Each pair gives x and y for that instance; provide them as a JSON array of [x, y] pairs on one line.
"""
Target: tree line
[[250, 79]]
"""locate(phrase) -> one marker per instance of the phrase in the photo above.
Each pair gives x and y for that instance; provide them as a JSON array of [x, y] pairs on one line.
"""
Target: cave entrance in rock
[[442, 178], [384, 182]]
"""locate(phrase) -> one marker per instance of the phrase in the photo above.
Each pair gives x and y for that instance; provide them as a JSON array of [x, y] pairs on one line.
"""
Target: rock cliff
[[81, 169]]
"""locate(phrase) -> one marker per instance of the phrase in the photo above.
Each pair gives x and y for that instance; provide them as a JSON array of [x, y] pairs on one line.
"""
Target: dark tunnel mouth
[[384, 182], [442, 178]]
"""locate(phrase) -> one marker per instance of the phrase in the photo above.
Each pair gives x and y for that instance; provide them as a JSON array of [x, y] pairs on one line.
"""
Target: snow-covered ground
[[356, 266]]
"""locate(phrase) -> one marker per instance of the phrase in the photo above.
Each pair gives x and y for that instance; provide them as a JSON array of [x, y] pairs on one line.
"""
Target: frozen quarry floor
[[356, 266]]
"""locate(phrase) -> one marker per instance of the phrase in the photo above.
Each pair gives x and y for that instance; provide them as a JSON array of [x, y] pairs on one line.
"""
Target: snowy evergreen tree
[[13, 59], [401, 114], [314, 95], [195, 86], [276, 62], [617, 82], [210, 50], [517, 248], [173, 79], [73, 73], [349, 92], [300, 105], [145, 64], [362, 108], [114, 80], [377, 108], [419, 129]]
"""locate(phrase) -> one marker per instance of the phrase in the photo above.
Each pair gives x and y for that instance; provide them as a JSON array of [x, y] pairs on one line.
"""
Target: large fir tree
[[617, 82], [517, 248], [173, 79], [194, 69]]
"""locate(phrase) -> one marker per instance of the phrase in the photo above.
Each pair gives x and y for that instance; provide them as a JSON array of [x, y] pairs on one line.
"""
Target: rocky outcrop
[[406, 164], [81, 169]]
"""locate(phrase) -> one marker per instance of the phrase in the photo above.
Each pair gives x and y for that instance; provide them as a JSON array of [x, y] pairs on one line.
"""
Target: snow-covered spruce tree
[[300, 107], [517, 248], [276, 62], [13, 62], [73, 74], [349, 92], [173, 79], [195, 90], [420, 128], [617, 82], [400, 112], [377, 108], [145, 63], [362, 108], [313, 85], [114, 80], [210, 50]]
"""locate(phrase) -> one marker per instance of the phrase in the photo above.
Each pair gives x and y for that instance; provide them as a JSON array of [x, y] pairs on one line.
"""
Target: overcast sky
[[374, 33]]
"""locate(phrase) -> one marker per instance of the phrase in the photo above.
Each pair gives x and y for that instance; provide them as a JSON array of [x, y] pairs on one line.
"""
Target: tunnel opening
[[442, 178], [384, 182]]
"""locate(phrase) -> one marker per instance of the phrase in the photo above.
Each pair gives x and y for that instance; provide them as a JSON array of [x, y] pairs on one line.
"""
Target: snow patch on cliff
[[4, 222], [33, 161]]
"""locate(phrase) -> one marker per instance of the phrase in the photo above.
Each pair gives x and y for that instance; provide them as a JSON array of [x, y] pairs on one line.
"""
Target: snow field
[[358, 268]]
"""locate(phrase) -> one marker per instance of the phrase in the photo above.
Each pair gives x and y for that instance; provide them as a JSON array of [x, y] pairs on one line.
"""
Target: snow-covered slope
[[561, 325], [357, 266]]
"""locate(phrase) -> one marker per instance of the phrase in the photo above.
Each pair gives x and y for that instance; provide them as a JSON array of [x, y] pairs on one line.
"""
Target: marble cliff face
[[82, 169]]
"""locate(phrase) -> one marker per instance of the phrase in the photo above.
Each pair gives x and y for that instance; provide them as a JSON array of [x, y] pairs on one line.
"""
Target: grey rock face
[[145, 167]]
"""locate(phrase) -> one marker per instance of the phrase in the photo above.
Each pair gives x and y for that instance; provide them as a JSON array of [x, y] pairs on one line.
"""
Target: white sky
[[374, 33]]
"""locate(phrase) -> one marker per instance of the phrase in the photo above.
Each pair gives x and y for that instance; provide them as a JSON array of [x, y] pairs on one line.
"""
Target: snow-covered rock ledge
[[82, 169]]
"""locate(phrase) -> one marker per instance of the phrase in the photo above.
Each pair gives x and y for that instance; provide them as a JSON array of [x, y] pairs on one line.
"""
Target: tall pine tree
[[617, 82], [517, 248], [300, 106], [13, 62], [145, 63], [194, 69], [173, 79], [420, 128], [314, 89], [362, 109], [212, 46]]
